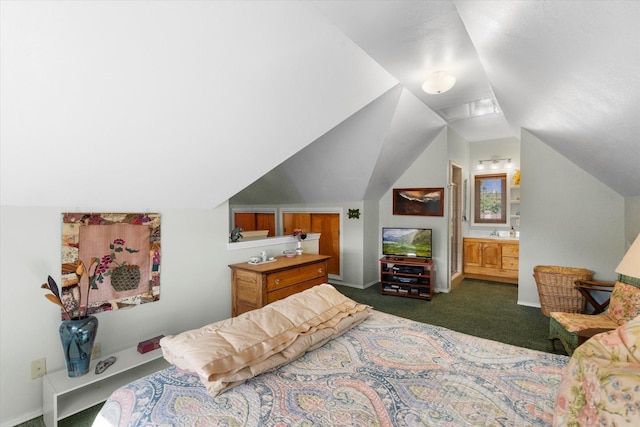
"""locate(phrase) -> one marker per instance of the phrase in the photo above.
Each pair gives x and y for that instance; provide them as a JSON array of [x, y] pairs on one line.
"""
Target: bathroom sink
[[504, 235]]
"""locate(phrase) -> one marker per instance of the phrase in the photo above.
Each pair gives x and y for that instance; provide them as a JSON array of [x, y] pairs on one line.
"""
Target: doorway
[[455, 225]]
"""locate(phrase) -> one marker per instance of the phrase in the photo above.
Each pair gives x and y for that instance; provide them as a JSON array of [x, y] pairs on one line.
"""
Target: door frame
[[455, 232]]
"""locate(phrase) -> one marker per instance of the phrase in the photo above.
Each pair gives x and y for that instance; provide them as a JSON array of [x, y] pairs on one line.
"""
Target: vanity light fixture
[[494, 163], [438, 82]]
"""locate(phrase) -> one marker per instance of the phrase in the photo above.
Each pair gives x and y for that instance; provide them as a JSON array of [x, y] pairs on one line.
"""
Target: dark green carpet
[[484, 309]]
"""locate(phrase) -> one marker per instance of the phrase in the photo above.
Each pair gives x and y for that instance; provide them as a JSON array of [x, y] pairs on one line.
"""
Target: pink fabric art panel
[[121, 253]]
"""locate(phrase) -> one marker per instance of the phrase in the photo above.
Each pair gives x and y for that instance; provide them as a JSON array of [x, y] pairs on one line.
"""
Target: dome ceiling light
[[438, 82]]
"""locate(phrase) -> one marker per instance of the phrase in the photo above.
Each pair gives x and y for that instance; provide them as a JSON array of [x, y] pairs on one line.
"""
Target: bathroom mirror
[[490, 199]]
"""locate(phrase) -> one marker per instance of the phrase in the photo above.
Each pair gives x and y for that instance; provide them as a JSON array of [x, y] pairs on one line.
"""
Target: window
[[490, 199]]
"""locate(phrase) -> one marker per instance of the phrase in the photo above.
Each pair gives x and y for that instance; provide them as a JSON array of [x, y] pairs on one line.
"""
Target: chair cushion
[[624, 304], [574, 322], [601, 383]]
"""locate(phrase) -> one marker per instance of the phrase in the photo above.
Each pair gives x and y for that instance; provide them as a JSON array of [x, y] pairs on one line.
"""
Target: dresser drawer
[[283, 279], [510, 250], [509, 263], [281, 293]]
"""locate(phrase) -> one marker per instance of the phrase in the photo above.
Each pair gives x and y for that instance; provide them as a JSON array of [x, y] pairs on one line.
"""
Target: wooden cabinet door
[[294, 221], [251, 221], [472, 254], [245, 220], [266, 221], [491, 255], [328, 225]]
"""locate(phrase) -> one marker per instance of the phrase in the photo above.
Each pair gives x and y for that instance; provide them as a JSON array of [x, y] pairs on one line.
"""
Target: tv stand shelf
[[407, 277]]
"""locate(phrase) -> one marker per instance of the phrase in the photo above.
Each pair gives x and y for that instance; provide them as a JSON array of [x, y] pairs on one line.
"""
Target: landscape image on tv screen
[[414, 242]]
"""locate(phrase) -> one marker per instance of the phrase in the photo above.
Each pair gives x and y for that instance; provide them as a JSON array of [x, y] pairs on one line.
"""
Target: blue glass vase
[[77, 337]]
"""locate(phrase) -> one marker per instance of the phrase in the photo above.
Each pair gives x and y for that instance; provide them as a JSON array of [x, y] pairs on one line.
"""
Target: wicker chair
[[557, 290], [623, 306]]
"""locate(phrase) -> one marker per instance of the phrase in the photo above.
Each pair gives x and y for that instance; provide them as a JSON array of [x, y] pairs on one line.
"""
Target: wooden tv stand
[[407, 277]]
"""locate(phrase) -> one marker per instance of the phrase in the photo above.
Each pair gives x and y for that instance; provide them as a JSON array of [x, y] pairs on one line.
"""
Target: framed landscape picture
[[418, 201]]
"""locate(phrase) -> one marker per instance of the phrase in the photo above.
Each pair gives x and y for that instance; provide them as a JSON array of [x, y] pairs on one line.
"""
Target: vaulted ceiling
[[157, 105], [569, 72]]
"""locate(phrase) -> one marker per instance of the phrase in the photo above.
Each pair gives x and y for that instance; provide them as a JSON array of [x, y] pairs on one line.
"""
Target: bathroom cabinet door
[[491, 255]]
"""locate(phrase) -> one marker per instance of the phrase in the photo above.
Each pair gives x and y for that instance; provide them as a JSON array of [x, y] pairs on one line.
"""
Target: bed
[[383, 370]]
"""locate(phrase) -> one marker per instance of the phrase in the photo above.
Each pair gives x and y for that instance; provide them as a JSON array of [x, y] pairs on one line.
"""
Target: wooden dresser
[[254, 286]]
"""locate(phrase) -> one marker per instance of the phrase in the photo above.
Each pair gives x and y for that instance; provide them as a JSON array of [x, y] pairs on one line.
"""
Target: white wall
[[195, 290], [631, 219], [372, 248], [429, 170], [569, 218]]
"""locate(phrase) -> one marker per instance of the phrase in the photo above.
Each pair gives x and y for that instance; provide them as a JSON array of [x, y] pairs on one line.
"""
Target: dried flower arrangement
[[299, 234], [56, 297]]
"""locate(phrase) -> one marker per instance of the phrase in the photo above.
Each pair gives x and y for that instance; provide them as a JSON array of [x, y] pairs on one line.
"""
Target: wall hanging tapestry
[[120, 253], [418, 201]]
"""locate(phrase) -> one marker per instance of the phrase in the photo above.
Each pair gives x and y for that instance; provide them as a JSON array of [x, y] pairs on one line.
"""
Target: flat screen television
[[406, 242]]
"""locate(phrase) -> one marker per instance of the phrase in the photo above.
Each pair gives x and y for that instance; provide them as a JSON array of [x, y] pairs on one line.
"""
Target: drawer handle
[[277, 281], [319, 270]]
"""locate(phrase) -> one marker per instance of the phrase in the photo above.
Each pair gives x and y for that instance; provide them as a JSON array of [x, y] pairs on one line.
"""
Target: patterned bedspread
[[387, 371]]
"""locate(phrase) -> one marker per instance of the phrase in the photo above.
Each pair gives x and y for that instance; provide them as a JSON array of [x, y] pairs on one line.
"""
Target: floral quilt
[[602, 384], [387, 371]]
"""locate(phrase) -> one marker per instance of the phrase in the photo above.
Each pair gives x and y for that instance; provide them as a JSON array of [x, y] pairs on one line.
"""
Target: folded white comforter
[[227, 353]]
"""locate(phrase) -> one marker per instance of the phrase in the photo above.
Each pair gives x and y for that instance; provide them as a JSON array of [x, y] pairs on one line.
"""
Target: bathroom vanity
[[491, 259]]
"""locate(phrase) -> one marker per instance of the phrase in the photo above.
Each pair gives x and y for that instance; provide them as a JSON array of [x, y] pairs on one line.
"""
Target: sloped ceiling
[[569, 72], [166, 105], [158, 105], [359, 159]]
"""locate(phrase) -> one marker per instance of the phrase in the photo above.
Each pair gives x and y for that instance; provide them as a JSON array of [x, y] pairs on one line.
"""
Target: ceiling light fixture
[[494, 163], [476, 108], [438, 82]]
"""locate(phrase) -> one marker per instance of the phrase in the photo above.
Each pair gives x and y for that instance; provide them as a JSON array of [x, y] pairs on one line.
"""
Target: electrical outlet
[[38, 368], [97, 351]]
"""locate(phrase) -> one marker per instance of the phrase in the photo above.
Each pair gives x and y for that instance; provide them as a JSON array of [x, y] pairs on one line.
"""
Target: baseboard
[[529, 304], [353, 285], [368, 285], [22, 419]]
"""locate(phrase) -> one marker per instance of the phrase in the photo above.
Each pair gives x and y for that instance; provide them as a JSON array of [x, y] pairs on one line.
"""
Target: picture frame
[[418, 201]]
